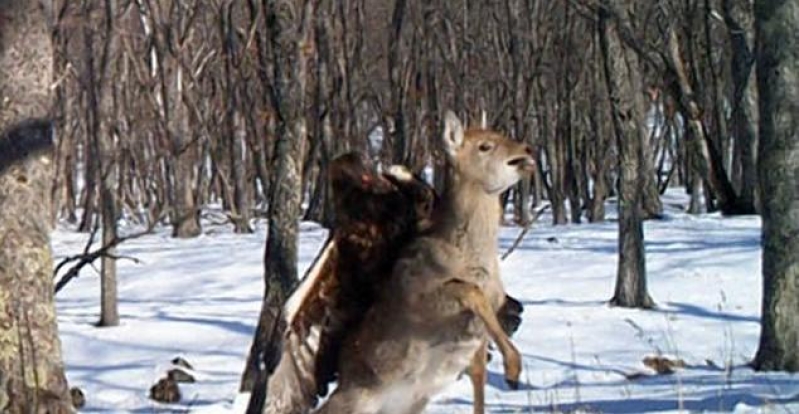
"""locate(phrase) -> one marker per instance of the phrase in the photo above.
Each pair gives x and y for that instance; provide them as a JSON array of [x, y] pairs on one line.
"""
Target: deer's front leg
[[471, 297]]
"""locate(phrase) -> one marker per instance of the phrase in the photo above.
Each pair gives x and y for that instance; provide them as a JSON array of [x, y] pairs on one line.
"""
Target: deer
[[434, 315], [376, 215]]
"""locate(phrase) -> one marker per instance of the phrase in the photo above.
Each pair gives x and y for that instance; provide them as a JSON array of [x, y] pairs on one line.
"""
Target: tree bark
[[32, 379], [99, 135], [242, 216], [235, 128], [319, 206], [519, 109], [651, 204], [778, 168], [186, 219], [292, 47], [600, 148], [708, 162], [399, 147], [623, 80], [738, 18]]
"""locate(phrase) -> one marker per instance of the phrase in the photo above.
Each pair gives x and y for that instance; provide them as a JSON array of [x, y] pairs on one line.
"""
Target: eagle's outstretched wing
[[375, 215]]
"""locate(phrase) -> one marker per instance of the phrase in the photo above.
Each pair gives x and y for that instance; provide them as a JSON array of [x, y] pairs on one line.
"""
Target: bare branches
[[79, 261]]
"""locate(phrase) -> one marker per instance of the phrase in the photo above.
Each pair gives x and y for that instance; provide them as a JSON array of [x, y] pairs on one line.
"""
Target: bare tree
[[778, 168], [98, 112], [623, 79], [291, 37], [32, 379], [738, 17]]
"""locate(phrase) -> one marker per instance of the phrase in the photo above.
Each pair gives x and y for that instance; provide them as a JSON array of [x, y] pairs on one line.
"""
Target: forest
[[177, 115]]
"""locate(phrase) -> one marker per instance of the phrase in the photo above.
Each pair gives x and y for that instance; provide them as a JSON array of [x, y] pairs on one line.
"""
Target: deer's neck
[[469, 219]]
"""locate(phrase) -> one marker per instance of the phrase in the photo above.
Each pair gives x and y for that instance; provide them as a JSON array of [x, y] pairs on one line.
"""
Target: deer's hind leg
[[471, 297], [478, 376]]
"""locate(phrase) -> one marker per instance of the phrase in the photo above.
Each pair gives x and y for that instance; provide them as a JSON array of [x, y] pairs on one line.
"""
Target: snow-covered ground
[[200, 298]]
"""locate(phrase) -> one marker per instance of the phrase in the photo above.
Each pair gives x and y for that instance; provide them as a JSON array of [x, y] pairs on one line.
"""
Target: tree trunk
[[651, 204], [109, 309], [600, 146], [738, 18], [32, 379], [319, 206], [398, 130], [235, 130], [778, 168], [519, 106], [292, 45], [555, 161], [623, 79], [241, 203], [708, 161], [186, 219], [600, 161], [99, 136]]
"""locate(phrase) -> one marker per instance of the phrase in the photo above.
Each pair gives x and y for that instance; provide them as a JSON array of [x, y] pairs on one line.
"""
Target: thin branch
[[86, 258], [524, 231]]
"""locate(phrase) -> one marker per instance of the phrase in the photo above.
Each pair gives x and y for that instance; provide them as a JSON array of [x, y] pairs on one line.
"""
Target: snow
[[200, 299]]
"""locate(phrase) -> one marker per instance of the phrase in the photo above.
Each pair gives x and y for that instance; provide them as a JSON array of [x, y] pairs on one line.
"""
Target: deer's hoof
[[512, 384], [513, 367]]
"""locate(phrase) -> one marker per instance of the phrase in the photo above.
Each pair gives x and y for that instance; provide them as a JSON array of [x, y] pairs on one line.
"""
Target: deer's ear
[[453, 133]]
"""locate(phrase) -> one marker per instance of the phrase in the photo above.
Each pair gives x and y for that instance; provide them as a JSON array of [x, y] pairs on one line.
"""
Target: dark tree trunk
[[601, 145], [694, 181], [241, 203], [398, 130], [319, 205], [573, 168], [738, 18], [99, 137], [32, 373], [600, 166], [186, 219], [623, 79], [235, 129], [555, 161], [290, 36], [651, 204], [89, 194], [778, 161], [707, 160], [519, 108]]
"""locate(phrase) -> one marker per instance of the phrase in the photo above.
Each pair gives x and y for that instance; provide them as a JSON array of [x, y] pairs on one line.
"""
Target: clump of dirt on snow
[[663, 365]]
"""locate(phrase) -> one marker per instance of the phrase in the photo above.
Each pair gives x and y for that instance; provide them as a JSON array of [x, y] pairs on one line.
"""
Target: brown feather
[[375, 216]]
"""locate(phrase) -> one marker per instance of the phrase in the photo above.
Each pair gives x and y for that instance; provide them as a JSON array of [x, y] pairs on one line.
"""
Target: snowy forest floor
[[200, 299]]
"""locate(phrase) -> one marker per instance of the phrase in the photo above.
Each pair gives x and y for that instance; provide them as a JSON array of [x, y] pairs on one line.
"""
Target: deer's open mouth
[[523, 163]]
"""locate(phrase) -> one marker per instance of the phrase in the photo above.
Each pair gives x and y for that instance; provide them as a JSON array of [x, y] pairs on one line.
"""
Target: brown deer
[[434, 315], [376, 217]]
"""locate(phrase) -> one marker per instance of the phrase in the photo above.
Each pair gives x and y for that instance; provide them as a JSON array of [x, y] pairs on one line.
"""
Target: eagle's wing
[[375, 217], [292, 387]]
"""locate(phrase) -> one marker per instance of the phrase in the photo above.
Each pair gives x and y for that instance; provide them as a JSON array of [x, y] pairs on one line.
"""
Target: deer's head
[[485, 158]]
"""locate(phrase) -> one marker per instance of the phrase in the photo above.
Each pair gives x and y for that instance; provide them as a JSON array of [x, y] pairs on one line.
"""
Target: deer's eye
[[485, 146]]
